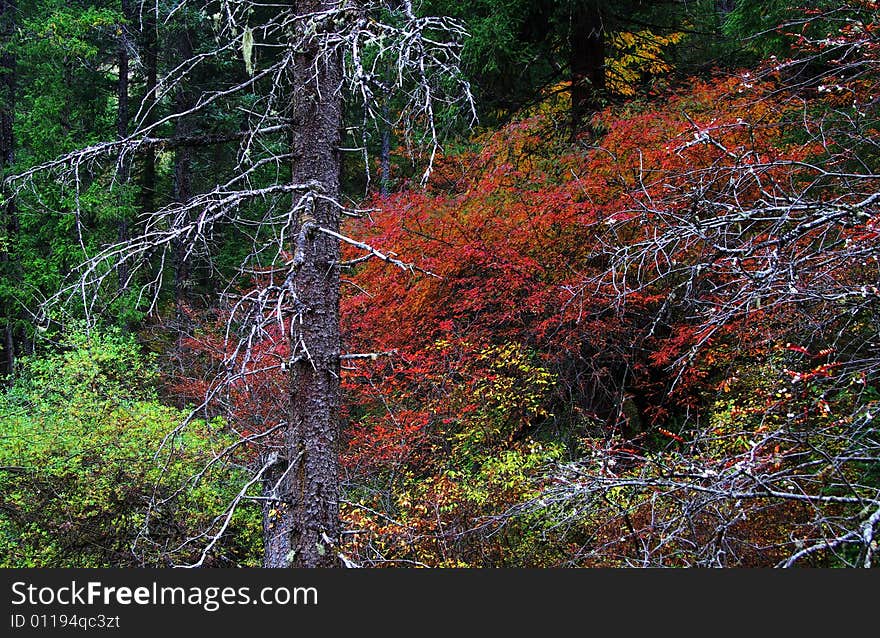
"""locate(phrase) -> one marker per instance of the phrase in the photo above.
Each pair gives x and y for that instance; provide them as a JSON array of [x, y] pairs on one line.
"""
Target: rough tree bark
[[305, 524]]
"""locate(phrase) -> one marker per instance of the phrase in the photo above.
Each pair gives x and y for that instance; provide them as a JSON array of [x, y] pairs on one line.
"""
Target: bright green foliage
[[82, 484]]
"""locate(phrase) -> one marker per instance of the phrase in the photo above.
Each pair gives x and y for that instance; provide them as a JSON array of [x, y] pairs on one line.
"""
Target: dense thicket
[[630, 318]]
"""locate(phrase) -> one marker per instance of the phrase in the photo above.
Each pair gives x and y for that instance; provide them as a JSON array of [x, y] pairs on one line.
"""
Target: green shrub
[[82, 481]]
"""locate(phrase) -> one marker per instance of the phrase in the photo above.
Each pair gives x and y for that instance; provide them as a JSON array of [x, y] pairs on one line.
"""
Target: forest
[[435, 283]]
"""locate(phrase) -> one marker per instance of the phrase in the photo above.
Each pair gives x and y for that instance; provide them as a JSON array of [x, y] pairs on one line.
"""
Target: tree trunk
[[306, 524], [8, 260], [586, 60]]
